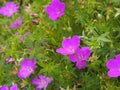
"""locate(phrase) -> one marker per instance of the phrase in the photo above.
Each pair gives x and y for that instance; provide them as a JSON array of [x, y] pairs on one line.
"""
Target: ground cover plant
[[59, 45]]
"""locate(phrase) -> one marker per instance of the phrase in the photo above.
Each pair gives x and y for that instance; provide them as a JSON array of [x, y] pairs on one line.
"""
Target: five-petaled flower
[[9, 9], [80, 57], [69, 45], [17, 23], [41, 82], [55, 10], [27, 68], [114, 66]]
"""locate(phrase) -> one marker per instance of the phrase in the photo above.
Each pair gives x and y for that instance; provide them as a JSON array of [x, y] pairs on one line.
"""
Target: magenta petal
[[48, 80], [62, 51], [4, 87], [81, 64], [36, 81], [56, 3], [42, 77], [66, 43], [118, 57], [53, 17], [17, 23], [111, 64], [85, 53], [41, 82], [39, 87], [14, 87], [75, 41], [113, 73], [72, 58], [24, 73], [27, 62], [62, 6], [82, 54], [48, 9]]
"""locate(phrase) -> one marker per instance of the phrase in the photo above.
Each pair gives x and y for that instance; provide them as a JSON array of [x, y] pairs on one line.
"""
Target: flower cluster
[[114, 66], [9, 9], [70, 47], [28, 68], [13, 87]]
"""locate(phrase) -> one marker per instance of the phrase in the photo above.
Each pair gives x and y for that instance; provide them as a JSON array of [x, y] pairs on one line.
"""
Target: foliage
[[96, 21]]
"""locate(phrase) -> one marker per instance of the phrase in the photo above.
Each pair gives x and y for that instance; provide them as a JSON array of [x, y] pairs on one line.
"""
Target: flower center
[[57, 11], [29, 69], [71, 50], [80, 57], [10, 11], [43, 82]]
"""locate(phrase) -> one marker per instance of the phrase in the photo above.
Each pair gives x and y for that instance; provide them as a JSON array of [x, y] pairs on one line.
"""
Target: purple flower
[[41, 82], [82, 54], [14, 87], [81, 64], [114, 66], [33, 15], [9, 9], [69, 46], [80, 57], [9, 60], [34, 22], [17, 23], [29, 48], [27, 68], [55, 10], [4, 87]]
